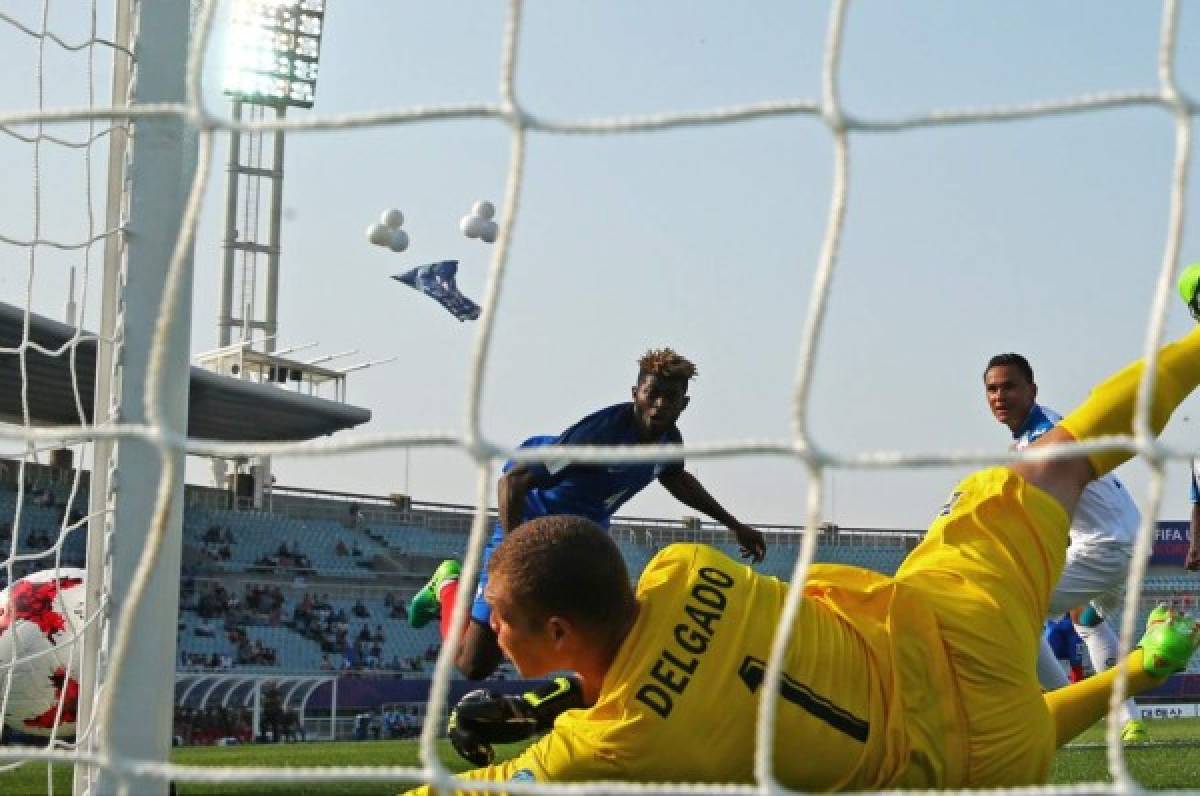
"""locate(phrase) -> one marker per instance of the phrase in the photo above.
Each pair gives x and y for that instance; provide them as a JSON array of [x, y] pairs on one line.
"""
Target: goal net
[[115, 187]]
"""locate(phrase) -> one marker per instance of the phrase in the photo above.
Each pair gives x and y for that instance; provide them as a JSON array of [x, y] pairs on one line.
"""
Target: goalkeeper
[[887, 682]]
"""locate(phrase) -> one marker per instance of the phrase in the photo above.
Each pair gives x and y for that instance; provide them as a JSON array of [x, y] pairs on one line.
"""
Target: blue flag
[[436, 280]]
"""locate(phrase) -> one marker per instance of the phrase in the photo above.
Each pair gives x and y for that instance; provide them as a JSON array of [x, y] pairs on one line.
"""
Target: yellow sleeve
[[562, 755]]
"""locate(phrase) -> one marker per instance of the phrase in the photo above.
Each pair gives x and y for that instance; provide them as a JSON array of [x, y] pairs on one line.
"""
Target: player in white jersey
[[1192, 562], [1103, 529]]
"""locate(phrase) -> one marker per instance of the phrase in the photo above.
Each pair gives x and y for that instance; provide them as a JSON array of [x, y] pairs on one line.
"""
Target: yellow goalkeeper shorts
[[986, 569]]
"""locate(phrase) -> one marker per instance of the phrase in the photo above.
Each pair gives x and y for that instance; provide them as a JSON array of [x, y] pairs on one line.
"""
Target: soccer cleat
[[1189, 289], [425, 605], [1169, 642], [1134, 731]]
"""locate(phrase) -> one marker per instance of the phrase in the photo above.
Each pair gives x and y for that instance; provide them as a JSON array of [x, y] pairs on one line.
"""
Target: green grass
[[1171, 760]]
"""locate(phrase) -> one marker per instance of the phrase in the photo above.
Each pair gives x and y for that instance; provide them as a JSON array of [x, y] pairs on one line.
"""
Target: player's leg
[[1168, 645], [1108, 411], [478, 654], [426, 604], [1091, 586], [1103, 646], [1049, 669]]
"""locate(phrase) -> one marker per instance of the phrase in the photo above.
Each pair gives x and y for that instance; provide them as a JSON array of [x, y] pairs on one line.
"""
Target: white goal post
[[135, 538]]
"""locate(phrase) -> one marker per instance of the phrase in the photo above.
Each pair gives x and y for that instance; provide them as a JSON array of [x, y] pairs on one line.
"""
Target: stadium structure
[[292, 613]]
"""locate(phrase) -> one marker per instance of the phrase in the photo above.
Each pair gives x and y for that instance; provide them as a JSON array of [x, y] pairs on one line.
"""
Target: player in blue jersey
[[1103, 530], [1067, 646], [596, 491]]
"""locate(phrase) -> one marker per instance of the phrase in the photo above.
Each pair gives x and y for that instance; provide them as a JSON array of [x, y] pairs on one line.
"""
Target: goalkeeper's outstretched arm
[[483, 718]]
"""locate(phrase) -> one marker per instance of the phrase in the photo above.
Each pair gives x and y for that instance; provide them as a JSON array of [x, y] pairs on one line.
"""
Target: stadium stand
[[319, 583]]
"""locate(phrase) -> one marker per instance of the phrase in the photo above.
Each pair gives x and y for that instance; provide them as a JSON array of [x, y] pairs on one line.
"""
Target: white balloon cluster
[[388, 232], [478, 223]]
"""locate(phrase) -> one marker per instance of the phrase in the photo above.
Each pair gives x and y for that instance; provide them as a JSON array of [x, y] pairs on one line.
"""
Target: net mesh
[[45, 525], [93, 122]]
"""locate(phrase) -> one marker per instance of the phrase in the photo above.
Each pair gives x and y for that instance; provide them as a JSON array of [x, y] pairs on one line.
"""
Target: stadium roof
[[219, 407]]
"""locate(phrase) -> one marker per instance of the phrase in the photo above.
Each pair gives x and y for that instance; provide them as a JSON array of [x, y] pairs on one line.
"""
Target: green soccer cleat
[[1169, 642], [424, 605], [1134, 731], [1189, 289]]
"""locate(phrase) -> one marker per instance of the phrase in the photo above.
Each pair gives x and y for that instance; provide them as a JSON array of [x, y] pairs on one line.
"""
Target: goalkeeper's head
[[560, 597]]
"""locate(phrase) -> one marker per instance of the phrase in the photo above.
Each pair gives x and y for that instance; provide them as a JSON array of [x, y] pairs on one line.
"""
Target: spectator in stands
[[340, 548], [355, 550], [378, 635], [392, 726], [364, 635], [205, 630], [360, 610], [399, 611], [326, 664]]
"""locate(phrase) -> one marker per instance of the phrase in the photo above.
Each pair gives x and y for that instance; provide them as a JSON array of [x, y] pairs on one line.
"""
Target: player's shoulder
[[1040, 420], [675, 563], [609, 418]]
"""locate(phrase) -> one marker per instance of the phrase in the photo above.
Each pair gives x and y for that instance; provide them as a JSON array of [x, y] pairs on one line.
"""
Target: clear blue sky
[[1043, 237]]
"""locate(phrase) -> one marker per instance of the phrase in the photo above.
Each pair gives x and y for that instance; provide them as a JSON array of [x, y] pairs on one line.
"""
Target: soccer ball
[[41, 623]]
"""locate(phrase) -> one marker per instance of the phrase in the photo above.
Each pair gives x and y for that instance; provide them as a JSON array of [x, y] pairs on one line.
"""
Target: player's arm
[[559, 756], [511, 489], [514, 485], [688, 490]]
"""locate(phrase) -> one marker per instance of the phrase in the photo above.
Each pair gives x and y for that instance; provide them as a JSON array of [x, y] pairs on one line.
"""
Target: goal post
[[127, 704]]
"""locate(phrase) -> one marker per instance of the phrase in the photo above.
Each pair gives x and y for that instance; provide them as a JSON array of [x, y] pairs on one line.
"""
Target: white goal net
[[132, 205]]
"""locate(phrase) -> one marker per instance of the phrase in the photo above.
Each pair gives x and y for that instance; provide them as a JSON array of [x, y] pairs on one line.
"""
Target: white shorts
[[1093, 573]]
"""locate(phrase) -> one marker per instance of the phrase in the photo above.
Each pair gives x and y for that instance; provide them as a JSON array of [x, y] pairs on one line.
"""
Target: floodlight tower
[[271, 64]]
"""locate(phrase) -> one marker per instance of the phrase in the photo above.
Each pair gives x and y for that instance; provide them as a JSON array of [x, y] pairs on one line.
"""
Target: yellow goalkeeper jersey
[[680, 700]]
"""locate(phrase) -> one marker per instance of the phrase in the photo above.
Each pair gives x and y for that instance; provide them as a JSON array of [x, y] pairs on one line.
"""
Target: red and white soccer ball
[[41, 626]]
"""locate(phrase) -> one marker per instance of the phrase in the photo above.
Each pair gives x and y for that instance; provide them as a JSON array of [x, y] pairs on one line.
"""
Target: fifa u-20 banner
[[1171, 541]]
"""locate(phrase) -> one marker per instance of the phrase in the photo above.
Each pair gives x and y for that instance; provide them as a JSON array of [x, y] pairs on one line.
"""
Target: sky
[[1042, 236]]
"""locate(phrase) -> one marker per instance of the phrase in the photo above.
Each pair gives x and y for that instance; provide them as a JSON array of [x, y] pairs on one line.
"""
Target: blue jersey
[[594, 491], [1065, 642]]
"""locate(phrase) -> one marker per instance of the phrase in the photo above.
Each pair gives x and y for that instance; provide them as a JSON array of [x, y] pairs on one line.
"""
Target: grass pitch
[[1170, 760]]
